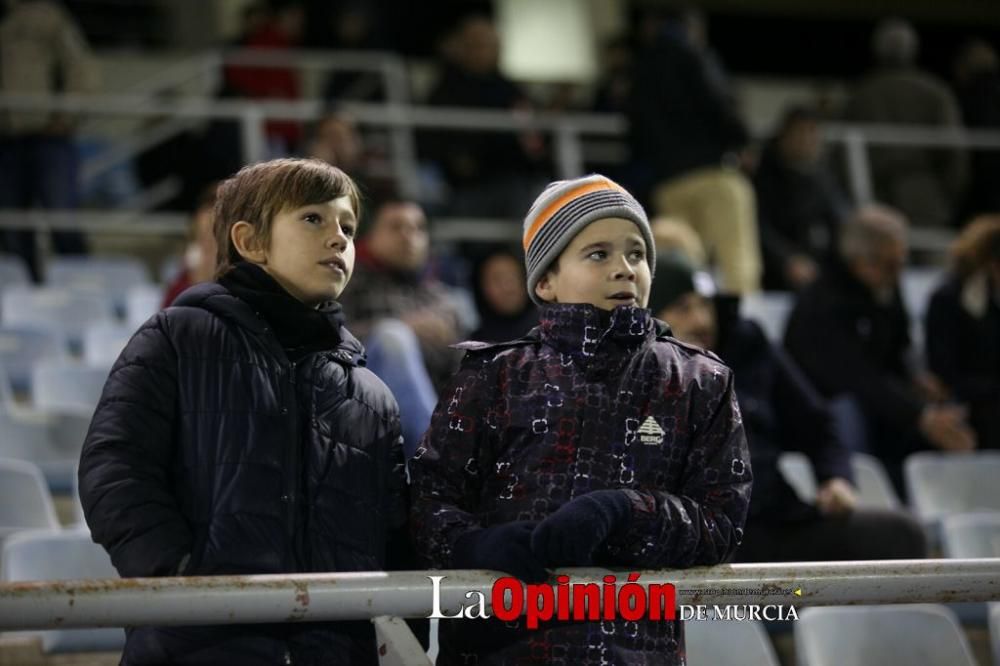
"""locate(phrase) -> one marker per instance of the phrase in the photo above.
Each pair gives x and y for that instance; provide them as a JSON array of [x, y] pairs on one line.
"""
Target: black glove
[[571, 535], [505, 547]]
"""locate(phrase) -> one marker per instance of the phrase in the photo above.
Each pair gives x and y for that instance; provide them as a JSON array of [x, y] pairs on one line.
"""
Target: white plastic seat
[[13, 271], [941, 484], [62, 555], [915, 635], [971, 535], [103, 342], [995, 631], [66, 312], [874, 490], [25, 500], [141, 302], [66, 386], [21, 347], [112, 276], [916, 285], [798, 472], [728, 643], [771, 310]]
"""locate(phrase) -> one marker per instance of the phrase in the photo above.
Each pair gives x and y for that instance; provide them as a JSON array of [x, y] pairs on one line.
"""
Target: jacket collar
[[585, 331], [218, 300]]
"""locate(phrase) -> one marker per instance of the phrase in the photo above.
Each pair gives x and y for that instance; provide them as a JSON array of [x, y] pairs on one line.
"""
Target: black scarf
[[300, 330]]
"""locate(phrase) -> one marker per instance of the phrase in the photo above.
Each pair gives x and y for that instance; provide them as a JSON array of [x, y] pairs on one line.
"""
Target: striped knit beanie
[[563, 209]]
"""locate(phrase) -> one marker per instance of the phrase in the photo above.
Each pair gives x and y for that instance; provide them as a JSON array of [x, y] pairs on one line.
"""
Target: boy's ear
[[244, 239], [545, 288]]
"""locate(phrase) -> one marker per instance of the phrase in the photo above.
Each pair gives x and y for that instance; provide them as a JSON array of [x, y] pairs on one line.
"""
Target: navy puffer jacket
[[212, 453]]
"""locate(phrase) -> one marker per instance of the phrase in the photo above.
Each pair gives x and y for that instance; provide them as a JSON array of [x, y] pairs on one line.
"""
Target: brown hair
[[259, 192], [977, 245]]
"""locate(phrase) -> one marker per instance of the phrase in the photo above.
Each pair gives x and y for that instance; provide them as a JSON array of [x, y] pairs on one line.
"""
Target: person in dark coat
[[799, 207], [782, 412], [850, 333], [963, 328], [596, 439], [505, 311], [240, 433]]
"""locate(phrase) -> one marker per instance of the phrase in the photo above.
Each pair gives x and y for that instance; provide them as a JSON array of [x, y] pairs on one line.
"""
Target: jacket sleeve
[[827, 350], [944, 347], [805, 420], [125, 466], [702, 523], [447, 469]]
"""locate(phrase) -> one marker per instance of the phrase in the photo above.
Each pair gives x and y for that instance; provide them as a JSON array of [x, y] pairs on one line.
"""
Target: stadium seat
[[141, 302], [940, 484], [728, 643], [916, 286], [771, 310], [915, 635], [112, 276], [66, 386], [13, 271], [971, 535], [21, 347], [875, 491], [104, 341], [65, 312], [995, 631], [62, 555], [25, 501]]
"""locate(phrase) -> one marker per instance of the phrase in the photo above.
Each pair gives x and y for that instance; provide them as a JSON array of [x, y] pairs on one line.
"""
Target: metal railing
[[363, 595]]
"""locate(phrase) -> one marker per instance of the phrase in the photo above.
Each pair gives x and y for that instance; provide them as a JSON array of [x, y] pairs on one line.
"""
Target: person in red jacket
[[594, 440]]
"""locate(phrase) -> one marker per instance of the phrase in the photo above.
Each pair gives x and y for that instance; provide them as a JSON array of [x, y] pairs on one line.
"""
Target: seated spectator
[[799, 209], [924, 183], [491, 173], [693, 149], [335, 139], [977, 82], [405, 318], [42, 52], [781, 411], [850, 332], [199, 259], [282, 30], [963, 328], [505, 311]]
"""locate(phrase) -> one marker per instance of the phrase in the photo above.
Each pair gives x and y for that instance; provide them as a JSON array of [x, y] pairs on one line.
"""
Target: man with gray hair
[[924, 183], [850, 333]]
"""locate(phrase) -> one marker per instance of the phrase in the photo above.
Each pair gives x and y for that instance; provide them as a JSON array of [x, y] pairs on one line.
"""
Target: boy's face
[[311, 253], [604, 265]]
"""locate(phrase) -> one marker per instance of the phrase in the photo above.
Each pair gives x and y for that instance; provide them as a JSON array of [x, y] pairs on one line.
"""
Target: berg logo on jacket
[[650, 432]]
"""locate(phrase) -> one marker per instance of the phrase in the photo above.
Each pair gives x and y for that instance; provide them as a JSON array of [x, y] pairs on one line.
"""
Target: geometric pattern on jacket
[[528, 425]]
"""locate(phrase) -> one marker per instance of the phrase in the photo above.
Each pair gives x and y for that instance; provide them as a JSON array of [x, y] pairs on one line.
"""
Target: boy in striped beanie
[[570, 216], [595, 440]]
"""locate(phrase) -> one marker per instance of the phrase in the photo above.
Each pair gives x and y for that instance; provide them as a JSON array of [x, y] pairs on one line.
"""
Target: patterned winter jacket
[[588, 400]]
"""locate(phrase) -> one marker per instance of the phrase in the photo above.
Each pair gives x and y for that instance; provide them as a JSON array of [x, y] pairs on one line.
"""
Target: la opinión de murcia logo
[[582, 602]]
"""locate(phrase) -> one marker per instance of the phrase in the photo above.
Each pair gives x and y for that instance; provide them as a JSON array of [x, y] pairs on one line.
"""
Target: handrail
[[363, 595]]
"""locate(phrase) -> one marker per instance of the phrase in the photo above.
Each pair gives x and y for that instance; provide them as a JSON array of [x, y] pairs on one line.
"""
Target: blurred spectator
[[924, 183], [200, 253], [673, 234], [685, 130], [505, 311], [42, 52], [781, 412], [977, 81], [281, 31], [850, 333], [405, 318], [352, 27], [615, 85], [963, 327], [335, 139], [491, 173], [799, 208]]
